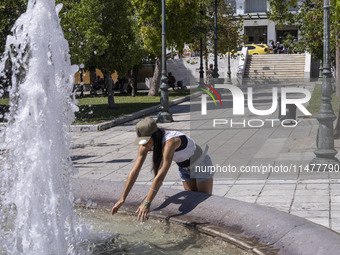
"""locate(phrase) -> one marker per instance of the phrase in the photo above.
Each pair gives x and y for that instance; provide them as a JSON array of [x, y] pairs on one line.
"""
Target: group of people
[[172, 82], [277, 47], [99, 84]]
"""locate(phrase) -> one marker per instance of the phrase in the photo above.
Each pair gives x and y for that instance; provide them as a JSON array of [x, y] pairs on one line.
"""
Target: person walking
[[167, 146]]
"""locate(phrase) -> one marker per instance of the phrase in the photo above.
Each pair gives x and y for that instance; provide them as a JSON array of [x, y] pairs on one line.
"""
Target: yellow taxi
[[255, 49]]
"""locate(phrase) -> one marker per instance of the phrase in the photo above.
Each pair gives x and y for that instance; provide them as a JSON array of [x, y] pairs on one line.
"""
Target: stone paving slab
[[109, 155]]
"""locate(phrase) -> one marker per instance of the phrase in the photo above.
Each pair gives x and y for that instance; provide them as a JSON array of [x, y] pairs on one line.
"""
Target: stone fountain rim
[[256, 228]]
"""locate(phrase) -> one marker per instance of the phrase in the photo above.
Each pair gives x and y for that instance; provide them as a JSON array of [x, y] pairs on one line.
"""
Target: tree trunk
[[132, 81], [156, 79], [135, 77], [337, 65], [109, 88], [92, 75], [81, 83], [337, 83]]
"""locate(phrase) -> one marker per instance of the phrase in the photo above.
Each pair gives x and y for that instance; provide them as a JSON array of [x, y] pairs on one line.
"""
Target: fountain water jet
[[36, 198]]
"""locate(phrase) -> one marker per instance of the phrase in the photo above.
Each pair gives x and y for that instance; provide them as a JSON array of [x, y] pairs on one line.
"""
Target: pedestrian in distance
[[171, 80], [167, 146], [210, 71]]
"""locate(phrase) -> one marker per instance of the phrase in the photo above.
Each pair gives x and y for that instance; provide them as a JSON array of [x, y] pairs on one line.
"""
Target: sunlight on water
[[123, 234]]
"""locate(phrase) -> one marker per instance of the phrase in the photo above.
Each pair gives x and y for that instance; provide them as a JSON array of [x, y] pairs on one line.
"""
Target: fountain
[[36, 201], [36, 198]]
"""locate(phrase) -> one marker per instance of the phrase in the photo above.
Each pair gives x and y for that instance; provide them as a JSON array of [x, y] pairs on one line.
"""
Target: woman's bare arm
[[170, 147], [132, 177]]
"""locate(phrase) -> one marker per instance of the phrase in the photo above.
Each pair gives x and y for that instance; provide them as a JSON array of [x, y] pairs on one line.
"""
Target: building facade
[[257, 27]]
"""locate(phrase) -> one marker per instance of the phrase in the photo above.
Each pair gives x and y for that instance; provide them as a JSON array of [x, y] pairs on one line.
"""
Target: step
[[247, 81], [274, 76], [270, 56], [274, 71], [267, 68], [302, 67], [277, 56], [275, 62], [271, 69], [257, 73]]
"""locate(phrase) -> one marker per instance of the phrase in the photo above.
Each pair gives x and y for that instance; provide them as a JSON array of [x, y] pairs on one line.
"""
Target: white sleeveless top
[[187, 152]]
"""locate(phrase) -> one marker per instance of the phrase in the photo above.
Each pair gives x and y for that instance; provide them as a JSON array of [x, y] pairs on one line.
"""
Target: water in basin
[[123, 234]]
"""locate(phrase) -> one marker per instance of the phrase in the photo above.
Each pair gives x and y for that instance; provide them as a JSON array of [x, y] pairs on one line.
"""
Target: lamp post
[[215, 73], [325, 152], [164, 115], [229, 71], [201, 50]]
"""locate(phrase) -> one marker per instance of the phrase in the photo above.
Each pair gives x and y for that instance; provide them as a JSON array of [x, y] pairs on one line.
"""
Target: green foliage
[[228, 26], [82, 25], [229, 29], [181, 16], [10, 10], [309, 20], [102, 34]]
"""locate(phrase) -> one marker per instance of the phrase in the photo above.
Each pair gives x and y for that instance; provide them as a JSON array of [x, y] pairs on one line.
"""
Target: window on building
[[254, 6], [256, 34]]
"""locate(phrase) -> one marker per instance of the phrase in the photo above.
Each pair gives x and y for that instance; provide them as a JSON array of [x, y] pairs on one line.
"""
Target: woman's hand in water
[[116, 207], [143, 213]]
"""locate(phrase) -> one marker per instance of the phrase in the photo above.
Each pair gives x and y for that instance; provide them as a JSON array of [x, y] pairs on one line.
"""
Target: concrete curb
[[261, 229], [128, 117]]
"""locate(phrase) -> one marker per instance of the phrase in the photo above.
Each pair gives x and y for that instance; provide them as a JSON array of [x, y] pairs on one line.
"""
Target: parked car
[[255, 49], [268, 49]]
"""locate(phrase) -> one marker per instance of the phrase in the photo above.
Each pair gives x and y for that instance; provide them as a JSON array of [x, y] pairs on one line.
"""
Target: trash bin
[[290, 111]]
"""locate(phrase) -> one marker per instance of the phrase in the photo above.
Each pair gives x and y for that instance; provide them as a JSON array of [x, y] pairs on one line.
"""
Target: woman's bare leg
[[190, 185], [205, 186]]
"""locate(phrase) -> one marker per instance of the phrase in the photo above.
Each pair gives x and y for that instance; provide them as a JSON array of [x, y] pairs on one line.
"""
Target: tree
[[180, 17], [229, 28], [308, 19], [103, 35], [10, 10]]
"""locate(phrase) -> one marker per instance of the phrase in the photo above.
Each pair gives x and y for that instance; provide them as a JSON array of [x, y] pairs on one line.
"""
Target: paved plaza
[[109, 155]]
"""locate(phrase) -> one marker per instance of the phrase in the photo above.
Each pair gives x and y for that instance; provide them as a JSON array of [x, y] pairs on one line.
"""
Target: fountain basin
[[123, 234], [260, 229]]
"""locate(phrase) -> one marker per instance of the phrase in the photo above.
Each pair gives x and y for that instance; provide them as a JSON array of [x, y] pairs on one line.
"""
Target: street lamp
[[164, 115], [201, 50], [229, 71], [215, 73], [325, 152]]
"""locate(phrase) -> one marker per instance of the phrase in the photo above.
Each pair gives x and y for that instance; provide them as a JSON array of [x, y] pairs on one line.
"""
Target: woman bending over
[[167, 146]]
